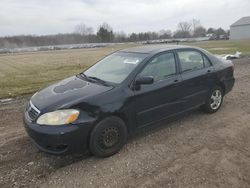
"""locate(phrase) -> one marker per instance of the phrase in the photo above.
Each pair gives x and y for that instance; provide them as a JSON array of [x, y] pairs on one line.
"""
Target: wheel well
[[124, 118], [121, 116], [222, 85]]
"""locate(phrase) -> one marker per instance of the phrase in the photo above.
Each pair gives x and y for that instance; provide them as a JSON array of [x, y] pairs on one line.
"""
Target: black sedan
[[127, 90]]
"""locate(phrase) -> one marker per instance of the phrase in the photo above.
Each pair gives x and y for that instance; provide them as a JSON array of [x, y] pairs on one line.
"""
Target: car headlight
[[58, 117]]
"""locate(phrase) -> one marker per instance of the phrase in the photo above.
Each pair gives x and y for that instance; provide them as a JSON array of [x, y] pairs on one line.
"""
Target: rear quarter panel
[[225, 74]]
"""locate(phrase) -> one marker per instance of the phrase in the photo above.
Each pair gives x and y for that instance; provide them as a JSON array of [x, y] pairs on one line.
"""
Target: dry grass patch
[[26, 73]]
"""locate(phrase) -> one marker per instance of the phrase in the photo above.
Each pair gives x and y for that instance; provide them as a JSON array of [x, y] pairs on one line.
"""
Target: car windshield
[[116, 67]]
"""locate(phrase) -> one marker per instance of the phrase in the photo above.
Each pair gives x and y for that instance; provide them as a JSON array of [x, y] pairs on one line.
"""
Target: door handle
[[176, 82], [209, 72]]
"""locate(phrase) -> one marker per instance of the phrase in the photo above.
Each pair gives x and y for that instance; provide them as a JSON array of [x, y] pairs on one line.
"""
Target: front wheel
[[108, 137], [214, 100]]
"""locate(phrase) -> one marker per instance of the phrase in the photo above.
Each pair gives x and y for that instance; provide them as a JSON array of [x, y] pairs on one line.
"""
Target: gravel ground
[[197, 150]]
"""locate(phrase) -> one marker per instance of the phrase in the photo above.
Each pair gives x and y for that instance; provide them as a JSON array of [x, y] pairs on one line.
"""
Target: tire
[[214, 100], [108, 137]]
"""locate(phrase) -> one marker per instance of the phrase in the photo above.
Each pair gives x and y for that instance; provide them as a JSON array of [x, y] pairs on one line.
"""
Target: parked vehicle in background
[[224, 37], [127, 90]]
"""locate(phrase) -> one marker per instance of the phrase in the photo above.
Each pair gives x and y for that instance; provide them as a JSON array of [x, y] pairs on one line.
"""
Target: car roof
[[153, 49]]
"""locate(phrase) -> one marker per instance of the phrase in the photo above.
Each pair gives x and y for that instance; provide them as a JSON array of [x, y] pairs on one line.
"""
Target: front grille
[[32, 111]]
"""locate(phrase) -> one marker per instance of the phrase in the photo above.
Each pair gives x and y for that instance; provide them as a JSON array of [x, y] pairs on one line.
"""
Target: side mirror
[[144, 80]]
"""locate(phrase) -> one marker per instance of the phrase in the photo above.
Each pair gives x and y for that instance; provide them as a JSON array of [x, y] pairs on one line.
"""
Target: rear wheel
[[214, 100], [108, 137]]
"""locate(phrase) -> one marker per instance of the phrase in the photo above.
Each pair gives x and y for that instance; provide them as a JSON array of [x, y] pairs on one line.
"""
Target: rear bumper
[[58, 140]]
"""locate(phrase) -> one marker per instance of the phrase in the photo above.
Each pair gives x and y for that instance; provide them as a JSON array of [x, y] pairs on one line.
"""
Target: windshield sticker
[[131, 61]]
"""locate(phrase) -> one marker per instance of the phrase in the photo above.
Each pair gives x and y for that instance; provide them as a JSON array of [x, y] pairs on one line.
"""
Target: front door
[[162, 98]]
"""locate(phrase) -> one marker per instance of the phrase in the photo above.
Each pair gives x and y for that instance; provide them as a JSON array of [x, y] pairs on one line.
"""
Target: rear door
[[197, 74], [160, 99]]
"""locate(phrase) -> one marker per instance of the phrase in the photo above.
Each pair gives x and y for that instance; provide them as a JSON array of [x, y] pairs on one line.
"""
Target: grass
[[26, 73], [225, 46]]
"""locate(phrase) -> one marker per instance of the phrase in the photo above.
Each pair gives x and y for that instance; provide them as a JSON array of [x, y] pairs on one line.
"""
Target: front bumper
[[63, 139]]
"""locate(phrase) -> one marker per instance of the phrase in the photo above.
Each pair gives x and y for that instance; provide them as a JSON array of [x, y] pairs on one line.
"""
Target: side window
[[190, 60], [206, 62], [160, 67]]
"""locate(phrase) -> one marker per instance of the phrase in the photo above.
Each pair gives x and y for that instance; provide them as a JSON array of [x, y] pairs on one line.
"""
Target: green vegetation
[[26, 73]]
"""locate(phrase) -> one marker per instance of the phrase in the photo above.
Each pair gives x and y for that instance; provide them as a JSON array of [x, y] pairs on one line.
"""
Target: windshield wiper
[[83, 76], [93, 78], [97, 79]]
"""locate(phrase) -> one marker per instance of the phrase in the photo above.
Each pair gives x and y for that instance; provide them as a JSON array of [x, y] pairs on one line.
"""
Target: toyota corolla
[[127, 90]]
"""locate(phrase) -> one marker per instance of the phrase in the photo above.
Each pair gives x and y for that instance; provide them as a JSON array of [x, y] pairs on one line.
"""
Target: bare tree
[[183, 31], [198, 29], [165, 34], [184, 26], [196, 23], [199, 32], [120, 36], [82, 29]]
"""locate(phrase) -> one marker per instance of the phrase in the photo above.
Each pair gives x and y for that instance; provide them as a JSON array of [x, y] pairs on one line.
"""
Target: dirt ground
[[197, 150]]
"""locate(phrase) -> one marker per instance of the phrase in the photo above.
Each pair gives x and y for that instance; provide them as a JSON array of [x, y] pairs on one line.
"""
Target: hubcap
[[216, 99], [109, 137]]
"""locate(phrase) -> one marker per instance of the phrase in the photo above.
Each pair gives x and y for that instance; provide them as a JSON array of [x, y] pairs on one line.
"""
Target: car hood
[[67, 92]]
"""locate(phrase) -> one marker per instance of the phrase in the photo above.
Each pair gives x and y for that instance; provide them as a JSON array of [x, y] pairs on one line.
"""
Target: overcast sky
[[41, 17]]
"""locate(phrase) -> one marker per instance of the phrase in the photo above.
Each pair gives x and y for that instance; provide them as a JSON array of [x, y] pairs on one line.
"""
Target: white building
[[240, 29]]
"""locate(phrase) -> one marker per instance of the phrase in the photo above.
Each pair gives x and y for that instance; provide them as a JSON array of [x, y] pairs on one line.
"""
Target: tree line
[[105, 33]]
